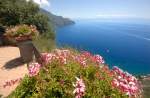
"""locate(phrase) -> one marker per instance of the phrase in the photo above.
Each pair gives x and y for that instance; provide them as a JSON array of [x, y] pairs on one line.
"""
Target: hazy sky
[[99, 8]]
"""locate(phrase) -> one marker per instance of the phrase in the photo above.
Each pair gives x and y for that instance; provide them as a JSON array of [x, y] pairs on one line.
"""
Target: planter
[[20, 33], [26, 50], [29, 52]]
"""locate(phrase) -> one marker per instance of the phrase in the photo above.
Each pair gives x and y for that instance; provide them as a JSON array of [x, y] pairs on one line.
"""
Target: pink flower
[[79, 88], [64, 53], [81, 60], [62, 59], [115, 83], [34, 68], [11, 82], [98, 59], [86, 54], [47, 57], [125, 82]]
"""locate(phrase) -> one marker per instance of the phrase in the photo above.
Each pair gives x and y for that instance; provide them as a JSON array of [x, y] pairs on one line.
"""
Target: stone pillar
[[26, 51]]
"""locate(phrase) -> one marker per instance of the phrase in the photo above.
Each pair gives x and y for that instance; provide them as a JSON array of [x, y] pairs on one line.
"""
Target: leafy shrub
[[15, 12], [44, 43], [68, 74]]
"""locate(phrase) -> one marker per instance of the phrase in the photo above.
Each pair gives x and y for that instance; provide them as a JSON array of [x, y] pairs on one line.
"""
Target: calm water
[[125, 44]]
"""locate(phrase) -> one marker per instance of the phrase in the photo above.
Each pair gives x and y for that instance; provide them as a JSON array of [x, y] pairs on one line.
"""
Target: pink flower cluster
[[34, 68], [47, 57], [64, 55], [60, 55], [86, 56], [11, 82], [98, 59], [126, 83], [81, 60], [123, 81], [79, 88]]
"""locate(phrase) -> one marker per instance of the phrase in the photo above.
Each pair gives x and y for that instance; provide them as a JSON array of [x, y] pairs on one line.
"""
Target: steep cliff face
[[57, 21]]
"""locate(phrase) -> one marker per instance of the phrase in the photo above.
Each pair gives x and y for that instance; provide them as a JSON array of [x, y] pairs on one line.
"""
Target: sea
[[122, 43]]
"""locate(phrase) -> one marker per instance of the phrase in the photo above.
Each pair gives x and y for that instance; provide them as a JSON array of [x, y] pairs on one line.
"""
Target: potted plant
[[22, 35]]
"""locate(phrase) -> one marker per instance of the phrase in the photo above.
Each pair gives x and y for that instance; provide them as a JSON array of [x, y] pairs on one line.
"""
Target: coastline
[[145, 80], [112, 41]]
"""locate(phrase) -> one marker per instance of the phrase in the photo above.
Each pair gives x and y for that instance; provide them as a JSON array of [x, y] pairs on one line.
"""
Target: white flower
[[79, 88]]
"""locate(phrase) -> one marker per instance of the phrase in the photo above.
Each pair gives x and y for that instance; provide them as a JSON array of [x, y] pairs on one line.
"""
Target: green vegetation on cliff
[[16, 12], [57, 21]]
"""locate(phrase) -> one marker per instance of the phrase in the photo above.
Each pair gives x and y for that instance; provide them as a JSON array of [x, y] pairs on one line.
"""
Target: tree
[[14, 12]]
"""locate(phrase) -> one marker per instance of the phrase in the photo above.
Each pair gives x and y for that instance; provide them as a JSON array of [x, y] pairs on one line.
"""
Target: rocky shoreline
[[145, 80]]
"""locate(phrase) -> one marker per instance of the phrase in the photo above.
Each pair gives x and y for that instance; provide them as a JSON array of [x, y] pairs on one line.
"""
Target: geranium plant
[[69, 74]]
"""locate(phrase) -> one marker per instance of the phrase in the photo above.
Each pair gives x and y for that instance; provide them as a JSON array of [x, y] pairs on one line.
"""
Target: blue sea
[[121, 43]]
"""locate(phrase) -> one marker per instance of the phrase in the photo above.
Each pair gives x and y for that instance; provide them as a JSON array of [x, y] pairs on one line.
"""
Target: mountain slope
[[57, 21]]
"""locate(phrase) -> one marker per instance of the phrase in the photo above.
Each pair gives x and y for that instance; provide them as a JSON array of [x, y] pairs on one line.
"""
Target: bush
[[15, 12], [43, 43], [68, 74]]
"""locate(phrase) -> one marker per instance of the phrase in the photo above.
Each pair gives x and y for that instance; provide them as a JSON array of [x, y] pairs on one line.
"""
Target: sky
[[98, 8]]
